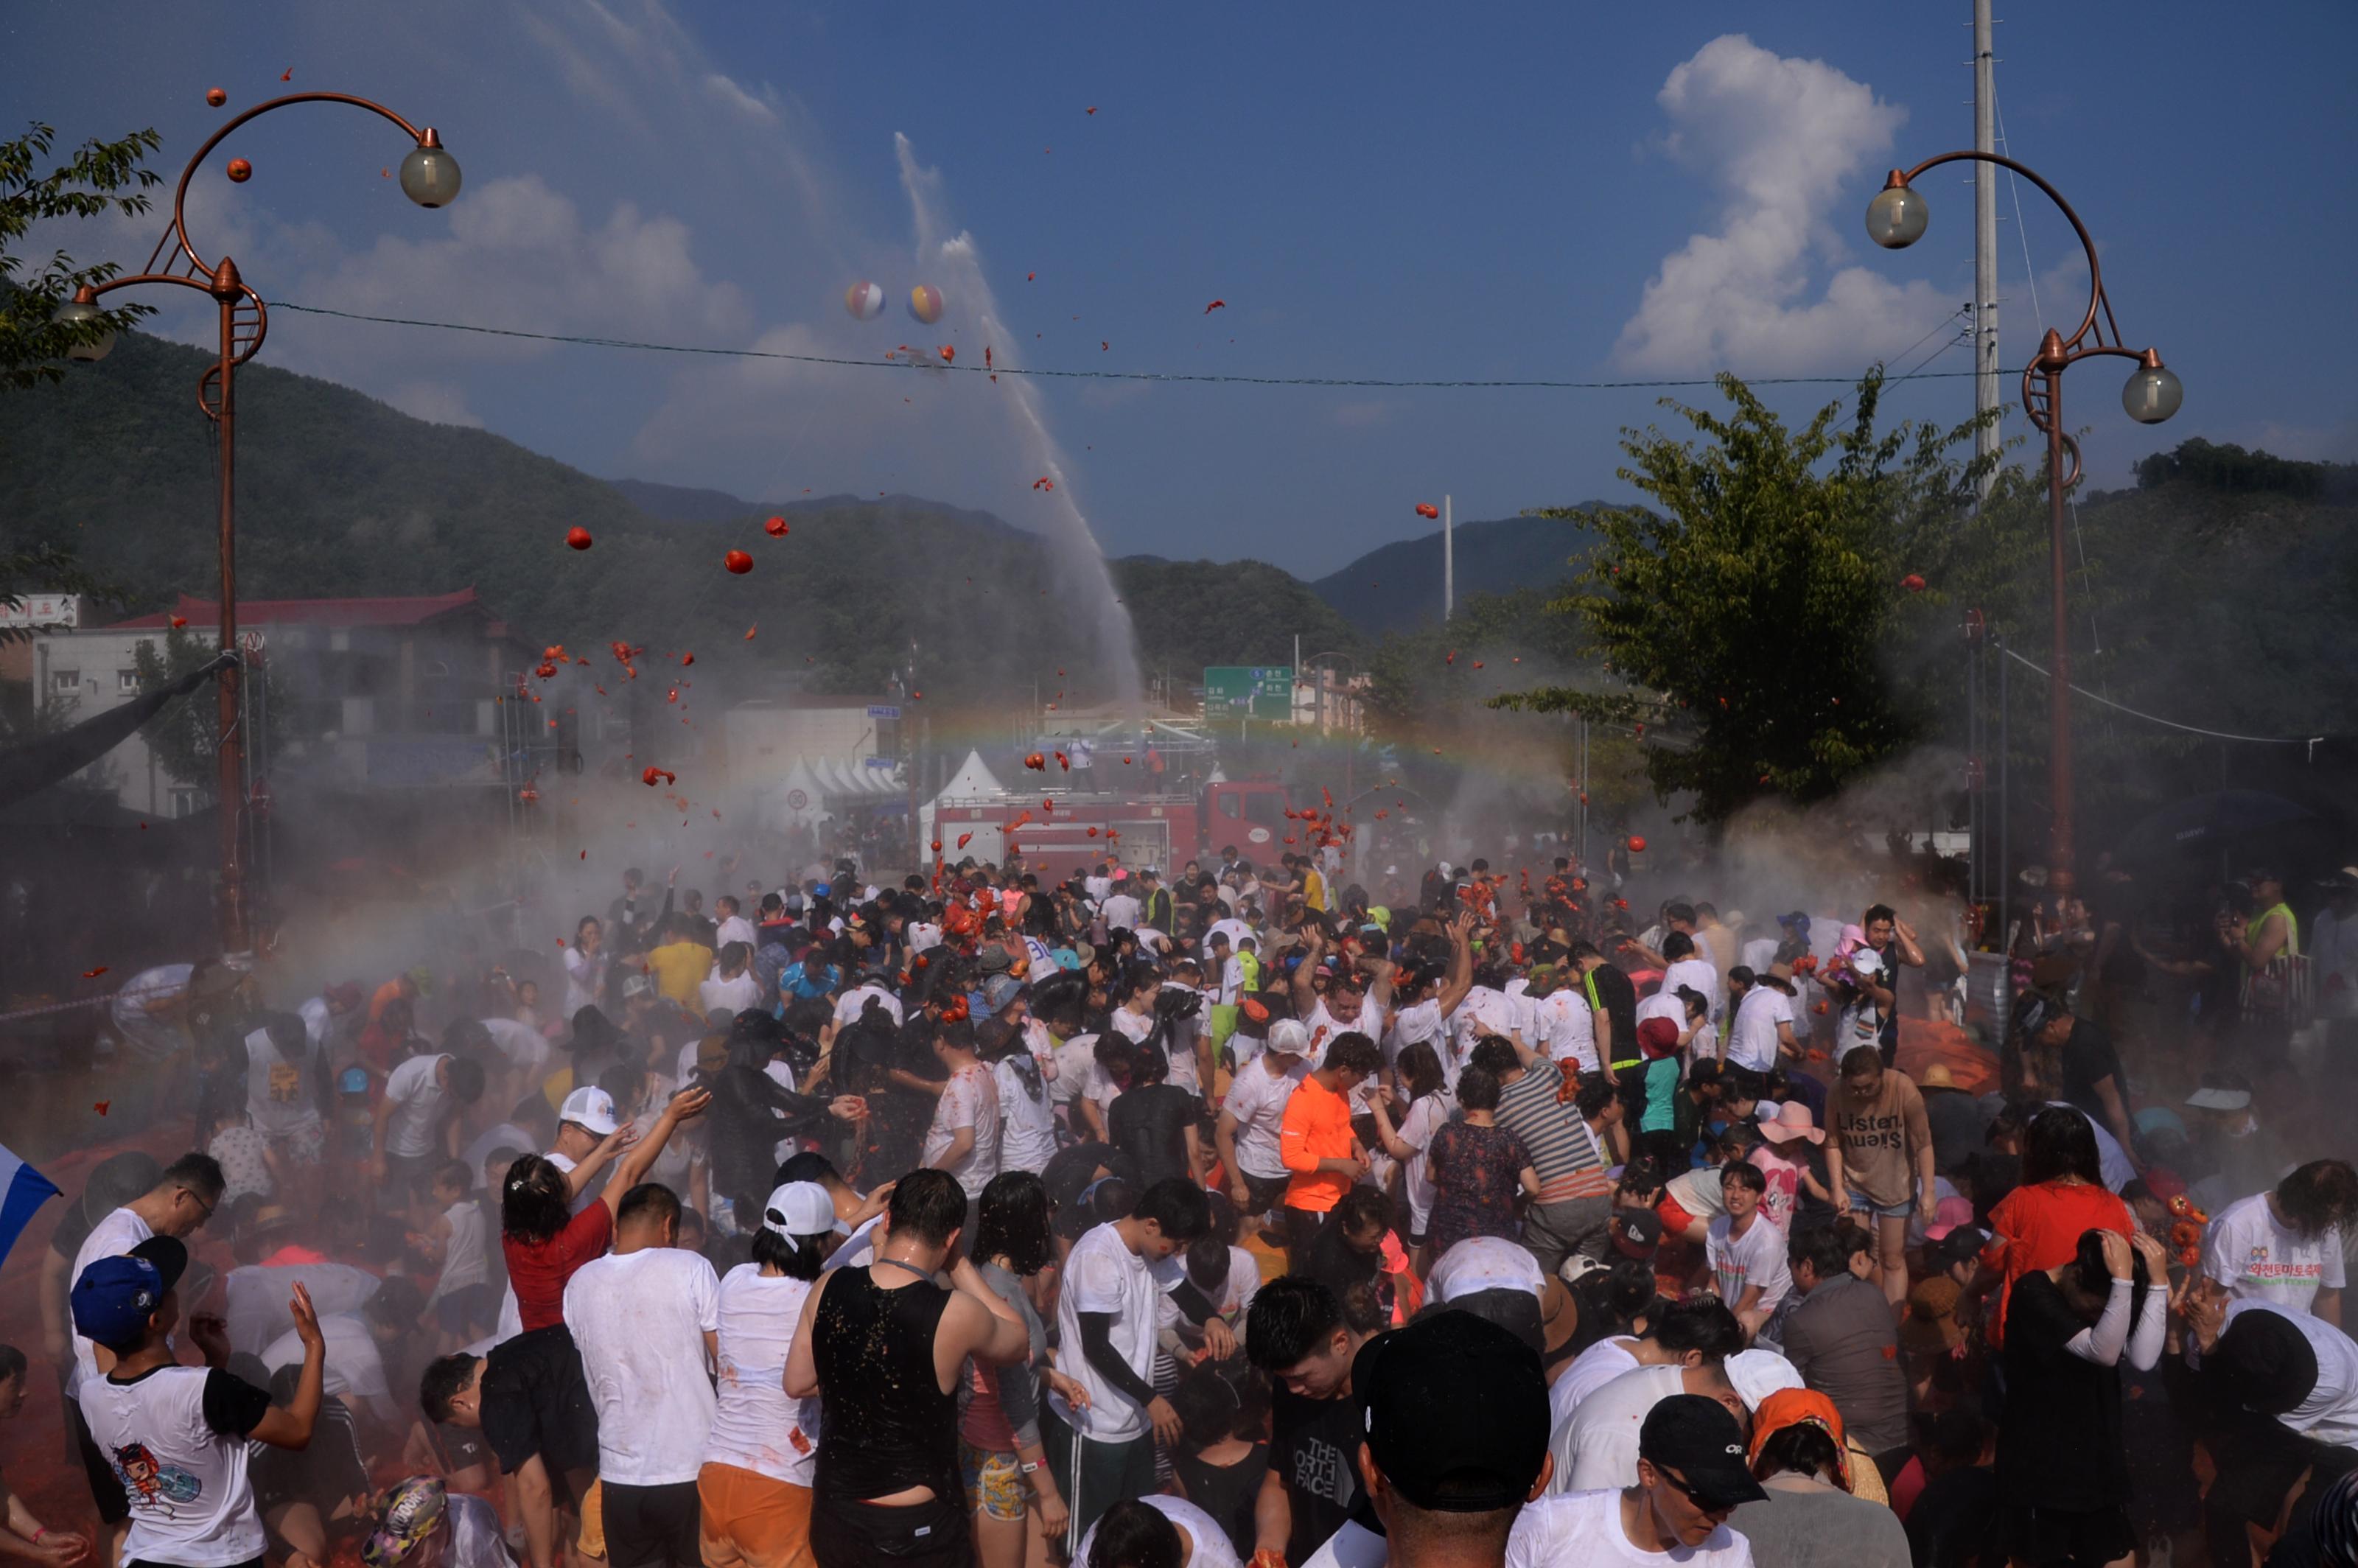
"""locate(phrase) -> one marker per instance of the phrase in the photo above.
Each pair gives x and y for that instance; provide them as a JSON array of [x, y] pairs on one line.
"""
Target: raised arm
[[634, 1164]]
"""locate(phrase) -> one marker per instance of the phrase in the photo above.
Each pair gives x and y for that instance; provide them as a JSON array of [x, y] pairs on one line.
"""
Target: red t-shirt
[[2040, 1227], [538, 1271]]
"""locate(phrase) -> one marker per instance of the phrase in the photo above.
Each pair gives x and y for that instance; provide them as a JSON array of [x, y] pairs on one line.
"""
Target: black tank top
[[886, 1425]]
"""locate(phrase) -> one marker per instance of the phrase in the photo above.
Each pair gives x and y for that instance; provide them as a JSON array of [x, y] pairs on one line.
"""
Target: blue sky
[[1574, 193]]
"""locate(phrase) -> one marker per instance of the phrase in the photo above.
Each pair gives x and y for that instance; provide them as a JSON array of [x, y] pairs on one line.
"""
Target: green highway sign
[[1249, 691]]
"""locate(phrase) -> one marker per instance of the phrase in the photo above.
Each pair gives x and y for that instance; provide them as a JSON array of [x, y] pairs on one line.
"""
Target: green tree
[[99, 177], [185, 736], [1762, 623]]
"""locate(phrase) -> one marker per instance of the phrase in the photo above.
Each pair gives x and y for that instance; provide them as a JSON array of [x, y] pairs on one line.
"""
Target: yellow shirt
[[680, 969], [1313, 889]]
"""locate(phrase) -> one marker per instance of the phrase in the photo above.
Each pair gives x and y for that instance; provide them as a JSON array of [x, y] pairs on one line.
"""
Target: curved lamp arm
[[2095, 270], [179, 232]]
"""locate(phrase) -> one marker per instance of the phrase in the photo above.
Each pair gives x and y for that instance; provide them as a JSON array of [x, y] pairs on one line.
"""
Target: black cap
[[170, 1256], [2266, 1361], [1698, 1439], [1455, 1412], [1641, 1228]]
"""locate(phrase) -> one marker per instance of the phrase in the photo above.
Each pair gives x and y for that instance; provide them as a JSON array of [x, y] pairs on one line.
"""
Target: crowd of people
[[1234, 1216]]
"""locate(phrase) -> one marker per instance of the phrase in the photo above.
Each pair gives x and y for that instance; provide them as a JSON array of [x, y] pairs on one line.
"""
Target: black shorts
[[536, 1401], [1263, 1193], [2082, 1539], [106, 1485], [652, 1527], [933, 1534]]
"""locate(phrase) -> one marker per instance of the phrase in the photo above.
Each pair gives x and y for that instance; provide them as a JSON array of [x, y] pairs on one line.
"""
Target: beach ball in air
[[926, 303], [864, 300]]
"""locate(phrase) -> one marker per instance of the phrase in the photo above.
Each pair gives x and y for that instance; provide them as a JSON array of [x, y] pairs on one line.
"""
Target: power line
[[1208, 377], [2309, 741]]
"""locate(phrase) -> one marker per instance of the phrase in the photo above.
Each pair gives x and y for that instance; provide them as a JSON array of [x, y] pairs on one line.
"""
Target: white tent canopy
[[973, 781]]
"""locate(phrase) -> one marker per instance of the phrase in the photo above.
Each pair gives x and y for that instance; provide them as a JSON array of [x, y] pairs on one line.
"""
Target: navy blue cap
[[114, 1297]]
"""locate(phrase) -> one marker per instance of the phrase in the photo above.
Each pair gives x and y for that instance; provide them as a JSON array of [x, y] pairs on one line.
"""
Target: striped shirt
[[1563, 1150]]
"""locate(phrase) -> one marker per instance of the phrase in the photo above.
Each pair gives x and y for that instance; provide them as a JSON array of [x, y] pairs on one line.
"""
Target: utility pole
[[1985, 391], [1448, 565]]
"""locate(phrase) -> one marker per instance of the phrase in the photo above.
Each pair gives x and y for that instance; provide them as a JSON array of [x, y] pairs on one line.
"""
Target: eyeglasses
[[206, 1217]]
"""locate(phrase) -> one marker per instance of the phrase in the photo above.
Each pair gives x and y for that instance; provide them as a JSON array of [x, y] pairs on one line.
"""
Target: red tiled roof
[[313, 611]]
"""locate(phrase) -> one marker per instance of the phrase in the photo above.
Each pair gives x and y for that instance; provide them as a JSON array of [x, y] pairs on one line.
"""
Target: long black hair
[[1014, 1223], [797, 1256], [537, 1204], [2060, 1142]]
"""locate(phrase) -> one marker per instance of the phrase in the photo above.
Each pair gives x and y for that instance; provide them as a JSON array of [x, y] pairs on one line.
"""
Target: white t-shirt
[[1590, 1370], [1662, 1004], [191, 1502], [1235, 930], [1352, 1546], [1565, 1027], [2247, 1251], [756, 1425], [1027, 1127], [717, 995], [2334, 963], [525, 1048], [281, 1092], [1256, 1100], [849, 1006], [1485, 1263], [1484, 1012], [416, 1101], [1697, 976], [1121, 911], [1596, 1445], [111, 1237], [1208, 1543], [354, 1368], [1698, 1192], [1759, 953], [1419, 1022], [1585, 1527], [1752, 1042], [1104, 1276], [256, 1300], [1425, 1117], [1133, 1027], [585, 977], [1755, 1257], [639, 1320], [1075, 1062], [2329, 1413], [969, 1099], [735, 928]]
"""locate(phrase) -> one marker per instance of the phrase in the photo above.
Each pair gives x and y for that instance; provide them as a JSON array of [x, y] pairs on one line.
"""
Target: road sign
[[1249, 691], [879, 710]]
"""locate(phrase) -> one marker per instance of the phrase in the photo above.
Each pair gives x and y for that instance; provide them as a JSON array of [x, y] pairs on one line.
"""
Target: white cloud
[[1792, 144]]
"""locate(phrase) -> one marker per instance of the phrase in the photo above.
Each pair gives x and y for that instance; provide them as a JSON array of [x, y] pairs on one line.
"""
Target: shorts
[[652, 1527], [106, 1485], [304, 1145], [534, 1401], [2084, 1538], [994, 1481], [752, 1520], [1674, 1217], [1262, 1193], [931, 1534], [1860, 1203]]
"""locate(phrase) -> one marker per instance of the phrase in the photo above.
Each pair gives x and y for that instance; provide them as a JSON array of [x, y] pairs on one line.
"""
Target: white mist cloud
[[1792, 145]]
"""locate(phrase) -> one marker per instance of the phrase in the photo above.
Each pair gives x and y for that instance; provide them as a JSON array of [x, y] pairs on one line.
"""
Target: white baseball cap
[[802, 1209], [1757, 1373], [591, 1108], [1290, 1037]]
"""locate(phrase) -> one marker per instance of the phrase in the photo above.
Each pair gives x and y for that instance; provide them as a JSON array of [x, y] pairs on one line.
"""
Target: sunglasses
[[1686, 1489]]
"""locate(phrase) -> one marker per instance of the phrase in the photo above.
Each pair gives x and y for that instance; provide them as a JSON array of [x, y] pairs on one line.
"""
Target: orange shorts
[[753, 1521]]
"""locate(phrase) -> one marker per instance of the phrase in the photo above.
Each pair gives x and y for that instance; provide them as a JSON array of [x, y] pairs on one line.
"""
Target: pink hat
[[1791, 1120], [1949, 1213]]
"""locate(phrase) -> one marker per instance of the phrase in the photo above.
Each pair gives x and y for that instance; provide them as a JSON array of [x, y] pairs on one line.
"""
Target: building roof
[[388, 612]]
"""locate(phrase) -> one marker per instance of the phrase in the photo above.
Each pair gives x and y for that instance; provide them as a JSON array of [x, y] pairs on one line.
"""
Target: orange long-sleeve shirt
[[1317, 1126]]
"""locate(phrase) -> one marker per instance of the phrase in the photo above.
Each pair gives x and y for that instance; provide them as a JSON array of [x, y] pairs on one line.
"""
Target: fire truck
[[1059, 829]]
